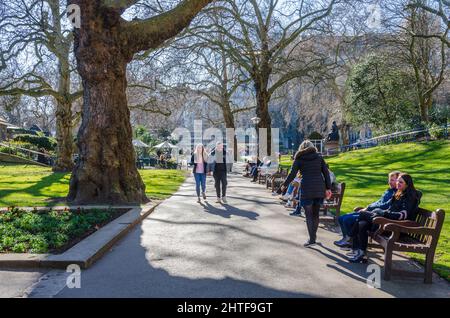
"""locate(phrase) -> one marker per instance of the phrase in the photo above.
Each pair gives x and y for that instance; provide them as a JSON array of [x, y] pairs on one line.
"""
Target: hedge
[[46, 143]]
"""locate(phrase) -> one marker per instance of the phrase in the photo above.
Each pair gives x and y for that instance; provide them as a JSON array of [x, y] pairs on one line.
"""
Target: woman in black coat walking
[[315, 184]]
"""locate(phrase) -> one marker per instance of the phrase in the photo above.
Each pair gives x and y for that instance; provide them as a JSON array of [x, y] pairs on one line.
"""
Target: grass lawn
[[29, 185], [365, 174]]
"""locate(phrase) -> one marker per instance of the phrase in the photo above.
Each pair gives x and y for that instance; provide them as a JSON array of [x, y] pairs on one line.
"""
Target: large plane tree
[[104, 45]]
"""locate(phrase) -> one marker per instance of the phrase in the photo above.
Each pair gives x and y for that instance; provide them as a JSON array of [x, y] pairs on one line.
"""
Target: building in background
[[3, 129]]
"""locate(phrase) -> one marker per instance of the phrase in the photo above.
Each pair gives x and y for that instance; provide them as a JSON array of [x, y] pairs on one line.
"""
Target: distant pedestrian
[[200, 160], [218, 159]]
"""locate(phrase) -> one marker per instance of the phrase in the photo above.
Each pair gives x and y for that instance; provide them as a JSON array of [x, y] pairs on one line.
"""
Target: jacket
[[205, 163], [404, 208], [384, 202], [216, 165], [315, 175]]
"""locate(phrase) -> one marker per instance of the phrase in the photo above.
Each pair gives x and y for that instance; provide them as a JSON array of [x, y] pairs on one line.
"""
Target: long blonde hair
[[200, 148], [306, 144]]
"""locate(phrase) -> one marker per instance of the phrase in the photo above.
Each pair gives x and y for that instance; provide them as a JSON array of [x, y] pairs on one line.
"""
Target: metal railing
[[39, 157], [397, 137]]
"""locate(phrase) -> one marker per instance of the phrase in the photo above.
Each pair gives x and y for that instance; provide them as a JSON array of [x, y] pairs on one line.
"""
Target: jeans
[[200, 180], [290, 189], [220, 178], [347, 221], [298, 208]]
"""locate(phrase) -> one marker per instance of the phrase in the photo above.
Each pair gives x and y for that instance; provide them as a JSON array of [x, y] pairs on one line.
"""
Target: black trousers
[[360, 231], [220, 182], [312, 220]]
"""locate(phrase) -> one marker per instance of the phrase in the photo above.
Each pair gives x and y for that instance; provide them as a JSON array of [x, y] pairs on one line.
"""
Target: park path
[[248, 248]]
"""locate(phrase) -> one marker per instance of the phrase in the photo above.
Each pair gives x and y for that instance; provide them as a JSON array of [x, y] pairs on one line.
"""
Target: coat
[[205, 163], [315, 174]]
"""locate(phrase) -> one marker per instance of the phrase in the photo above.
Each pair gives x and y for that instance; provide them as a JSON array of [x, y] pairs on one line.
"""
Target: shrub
[[40, 142], [315, 136], [19, 248], [24, 145], [5, 149], [43, 231], [436, 131]]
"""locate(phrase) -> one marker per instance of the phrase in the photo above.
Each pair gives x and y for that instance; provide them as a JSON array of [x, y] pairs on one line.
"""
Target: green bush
[[42, 231], [315, 136], [41, 142], [5, 149], [436, 131], [24, 144]]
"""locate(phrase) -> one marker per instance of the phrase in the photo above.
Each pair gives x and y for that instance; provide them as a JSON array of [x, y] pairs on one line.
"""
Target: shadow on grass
[[36, 189]]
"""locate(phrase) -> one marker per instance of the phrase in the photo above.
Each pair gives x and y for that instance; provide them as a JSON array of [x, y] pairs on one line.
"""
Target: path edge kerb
[[89, 250]]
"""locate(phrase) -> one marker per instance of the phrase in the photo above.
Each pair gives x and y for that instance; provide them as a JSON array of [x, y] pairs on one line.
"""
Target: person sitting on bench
[[254, 169], [260, 168], [292, 188], [347, 221], [403, 206]]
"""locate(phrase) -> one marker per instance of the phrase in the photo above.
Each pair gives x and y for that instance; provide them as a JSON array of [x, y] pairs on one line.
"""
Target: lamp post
[[255, 121]]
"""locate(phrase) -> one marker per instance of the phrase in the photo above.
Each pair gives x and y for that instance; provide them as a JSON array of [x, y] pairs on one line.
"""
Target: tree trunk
[[425, 105], [64, 138], [229, 123], [106, 171], [262, 111]]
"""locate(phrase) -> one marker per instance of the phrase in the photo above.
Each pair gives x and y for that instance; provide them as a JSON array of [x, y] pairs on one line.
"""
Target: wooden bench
[[419, 236], [276, 179], [264, 173], [335, 201]]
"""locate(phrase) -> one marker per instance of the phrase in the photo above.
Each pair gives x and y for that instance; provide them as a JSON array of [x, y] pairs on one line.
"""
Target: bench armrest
[[409, 230], [382, 221]]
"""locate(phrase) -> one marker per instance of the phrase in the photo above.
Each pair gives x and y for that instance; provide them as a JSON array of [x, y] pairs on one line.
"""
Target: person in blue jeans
[[200, 160], [347, 221]]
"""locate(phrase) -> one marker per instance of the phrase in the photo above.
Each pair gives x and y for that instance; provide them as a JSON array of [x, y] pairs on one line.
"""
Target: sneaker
[[199, 200], [342, 243], [224, 200], [359, 257], [218, 200], [295, 214], [309, 243], [352, 253], [288, 204], [204, 195]]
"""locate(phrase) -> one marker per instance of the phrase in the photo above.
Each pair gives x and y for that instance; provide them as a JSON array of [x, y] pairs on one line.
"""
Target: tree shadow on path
[[229, 211]]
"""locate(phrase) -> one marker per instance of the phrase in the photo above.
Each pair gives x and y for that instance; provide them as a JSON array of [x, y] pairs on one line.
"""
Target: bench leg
[[336, 217], [387, 264], [429, 268]]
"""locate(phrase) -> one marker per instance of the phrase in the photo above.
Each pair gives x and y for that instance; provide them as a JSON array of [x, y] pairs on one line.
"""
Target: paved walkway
[[248, 248]]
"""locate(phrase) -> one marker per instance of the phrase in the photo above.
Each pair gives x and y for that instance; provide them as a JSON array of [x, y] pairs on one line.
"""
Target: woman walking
[[219, 167], [315, 185], [200, 160]]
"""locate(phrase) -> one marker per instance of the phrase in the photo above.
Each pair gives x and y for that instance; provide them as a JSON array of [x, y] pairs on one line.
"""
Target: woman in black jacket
[[315, 184], [403, 206]]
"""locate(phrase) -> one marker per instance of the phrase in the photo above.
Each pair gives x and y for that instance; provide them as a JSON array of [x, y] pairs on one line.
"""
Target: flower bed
[[50, 231]]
